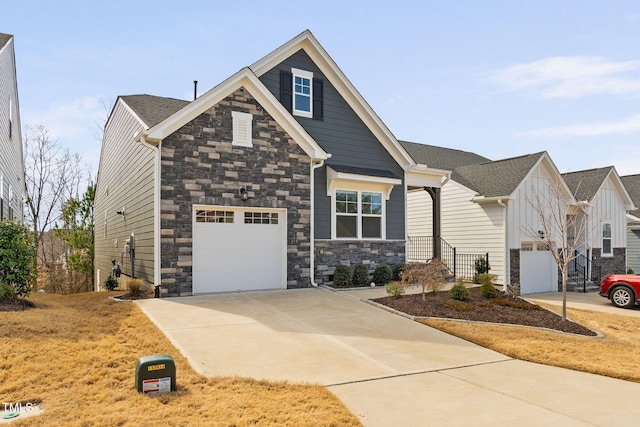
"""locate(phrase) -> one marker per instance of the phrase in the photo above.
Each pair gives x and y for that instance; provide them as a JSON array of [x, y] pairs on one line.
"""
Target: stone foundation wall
[[514, 270], [331, 253], [616, 264]]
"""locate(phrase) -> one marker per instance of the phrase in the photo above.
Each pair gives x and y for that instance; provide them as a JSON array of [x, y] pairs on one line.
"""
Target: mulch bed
[[15, 304], [503, 309]]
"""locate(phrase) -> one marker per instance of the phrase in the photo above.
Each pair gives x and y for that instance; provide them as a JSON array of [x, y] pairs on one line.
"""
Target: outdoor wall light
[[244, 194], [541, 234], [122, 212]]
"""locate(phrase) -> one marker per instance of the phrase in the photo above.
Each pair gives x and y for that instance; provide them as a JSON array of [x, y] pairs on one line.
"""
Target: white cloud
[[80, 117], [621, 127], [573, 77]]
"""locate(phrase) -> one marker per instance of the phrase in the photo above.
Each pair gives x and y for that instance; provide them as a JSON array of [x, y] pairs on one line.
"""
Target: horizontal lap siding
[[343, 134], [11, 163], [419, 214], [126, 170], [633, 250]]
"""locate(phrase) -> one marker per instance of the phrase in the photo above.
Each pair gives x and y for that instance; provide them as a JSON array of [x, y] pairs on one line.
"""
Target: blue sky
[[499, 78]]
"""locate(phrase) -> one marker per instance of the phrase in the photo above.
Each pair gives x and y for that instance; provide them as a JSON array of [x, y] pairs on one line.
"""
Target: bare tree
[[53, 176], [431, 276], [563, 225]]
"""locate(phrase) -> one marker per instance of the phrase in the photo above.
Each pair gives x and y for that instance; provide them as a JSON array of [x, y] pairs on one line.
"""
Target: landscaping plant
[[488, 290], [430, 276], [382, 275], [17, 260], [481, 266], [395, 289], [397, 271], [360, 275], [343, 275], [459, 291]]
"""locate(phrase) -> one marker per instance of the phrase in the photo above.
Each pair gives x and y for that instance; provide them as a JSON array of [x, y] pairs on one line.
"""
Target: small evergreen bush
[[395, 289], [398, 270], [382, 275], [459, 292], [342, 275], [630, 271], [488, 291], [360, 275], [481, 266], [6, 291], [111, 283]]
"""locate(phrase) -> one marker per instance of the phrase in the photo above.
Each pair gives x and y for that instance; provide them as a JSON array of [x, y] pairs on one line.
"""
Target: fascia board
[[626, 199], [422, 176], [345, 88], [570, 198], [244, 78]]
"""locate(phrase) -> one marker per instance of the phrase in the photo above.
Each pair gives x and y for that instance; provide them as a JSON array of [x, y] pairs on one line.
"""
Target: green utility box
[[155, 373]]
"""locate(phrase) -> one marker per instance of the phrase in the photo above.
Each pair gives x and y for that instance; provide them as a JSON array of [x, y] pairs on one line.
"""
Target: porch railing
[[461, 265]]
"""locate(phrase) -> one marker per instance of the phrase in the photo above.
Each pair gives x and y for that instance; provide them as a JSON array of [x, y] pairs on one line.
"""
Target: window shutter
[[286, 89], [318, 99]]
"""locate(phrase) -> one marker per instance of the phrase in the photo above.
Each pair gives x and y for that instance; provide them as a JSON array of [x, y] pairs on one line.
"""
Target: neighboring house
[[632, 184], [268, 180], [12, 187], [604, 203], [490, 207]]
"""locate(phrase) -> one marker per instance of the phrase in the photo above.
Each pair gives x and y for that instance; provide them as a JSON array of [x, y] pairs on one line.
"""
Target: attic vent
[[242, 127]]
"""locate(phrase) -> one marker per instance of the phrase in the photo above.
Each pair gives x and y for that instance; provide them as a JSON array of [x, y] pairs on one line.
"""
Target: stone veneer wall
[[200, 166], [617, 264], [331, 253], [514, 271]]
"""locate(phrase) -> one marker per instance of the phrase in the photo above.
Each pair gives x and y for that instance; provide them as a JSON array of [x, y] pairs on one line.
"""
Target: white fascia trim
[[332, 72], [501, 200], [243, 78], [422, 176], [570, 198], [359, 182]]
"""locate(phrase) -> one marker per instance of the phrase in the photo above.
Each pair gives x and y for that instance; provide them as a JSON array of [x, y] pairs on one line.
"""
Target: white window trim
[[602, 239], [242, 129], [307, 75], [359, 215]]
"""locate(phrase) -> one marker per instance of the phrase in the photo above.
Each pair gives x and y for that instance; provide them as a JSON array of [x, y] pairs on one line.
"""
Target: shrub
[[481, 266], [516, 304], [630, 271], [382, 275], [342, 275], [135, 286], [6, 291], [111, 283], [488, 291], [398, 270], [459, 292], [431, 276], [395, 289], [17, 259], [360, 275]]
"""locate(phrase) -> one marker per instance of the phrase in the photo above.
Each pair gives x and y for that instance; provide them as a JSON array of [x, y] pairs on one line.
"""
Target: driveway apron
[[387, 369]]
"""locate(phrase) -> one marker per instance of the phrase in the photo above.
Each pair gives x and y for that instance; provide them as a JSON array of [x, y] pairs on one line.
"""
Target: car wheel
[[623, 297]]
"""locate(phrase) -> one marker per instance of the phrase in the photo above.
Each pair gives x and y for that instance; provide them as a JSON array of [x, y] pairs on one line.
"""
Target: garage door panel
[[233, 256], [538, 271]]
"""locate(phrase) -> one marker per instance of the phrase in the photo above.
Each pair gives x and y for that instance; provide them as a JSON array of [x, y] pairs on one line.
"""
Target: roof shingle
[[632, 184], [585, 184], [440, 157], [153, 109]]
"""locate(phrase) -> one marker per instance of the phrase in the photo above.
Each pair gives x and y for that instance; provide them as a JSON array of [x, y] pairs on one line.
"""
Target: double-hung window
[[358, 214], [607, 249], [302, 93]]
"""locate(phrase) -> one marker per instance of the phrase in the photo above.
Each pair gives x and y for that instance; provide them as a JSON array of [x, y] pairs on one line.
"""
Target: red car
[[621, 289]]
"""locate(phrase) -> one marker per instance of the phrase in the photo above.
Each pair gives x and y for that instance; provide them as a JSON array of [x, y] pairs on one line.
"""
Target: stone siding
[[201, 166], [616, 264], [514, 271], [331, 253]]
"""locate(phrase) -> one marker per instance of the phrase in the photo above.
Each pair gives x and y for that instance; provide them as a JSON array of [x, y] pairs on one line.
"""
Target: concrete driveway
[[583, 301], [387, 369]]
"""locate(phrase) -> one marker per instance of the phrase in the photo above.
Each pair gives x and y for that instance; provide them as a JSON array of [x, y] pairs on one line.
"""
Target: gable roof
[[499, 178], [440, 157], [4, 39], [150, 109], [632, 184], [585, 184], [307, 42], [247, 79]]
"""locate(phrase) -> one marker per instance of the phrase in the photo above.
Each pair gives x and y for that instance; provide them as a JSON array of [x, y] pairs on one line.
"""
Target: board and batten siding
[[11, 160], [125, 180], [350, 142], [607, 207]]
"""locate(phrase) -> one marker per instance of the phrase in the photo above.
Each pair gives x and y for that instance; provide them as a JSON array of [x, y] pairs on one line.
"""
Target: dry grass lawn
[[75, 355], [616, 355]]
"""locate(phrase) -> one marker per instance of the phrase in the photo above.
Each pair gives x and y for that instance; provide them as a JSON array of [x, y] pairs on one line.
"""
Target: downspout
[[156, 208], [584, 204], [312, 254], [507, 257]]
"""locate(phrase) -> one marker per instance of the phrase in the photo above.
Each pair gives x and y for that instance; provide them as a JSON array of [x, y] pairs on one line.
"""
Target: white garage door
[[238, 249], [538, 270]]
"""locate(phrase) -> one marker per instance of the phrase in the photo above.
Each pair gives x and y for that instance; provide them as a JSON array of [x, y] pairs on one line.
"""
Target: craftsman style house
[[269, 180], [11, 162]]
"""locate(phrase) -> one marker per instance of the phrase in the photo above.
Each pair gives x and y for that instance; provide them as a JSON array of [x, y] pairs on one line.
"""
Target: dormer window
[[301, 94]]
